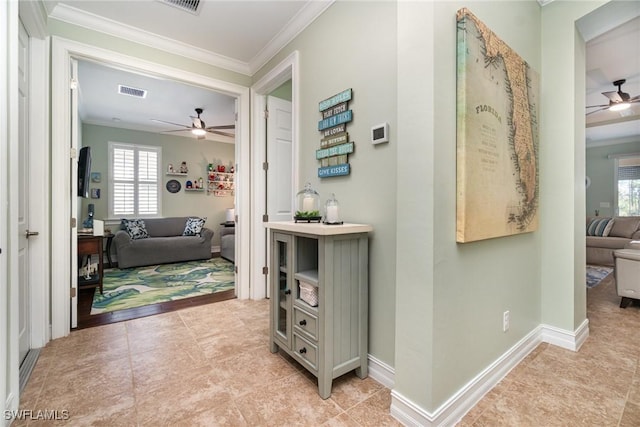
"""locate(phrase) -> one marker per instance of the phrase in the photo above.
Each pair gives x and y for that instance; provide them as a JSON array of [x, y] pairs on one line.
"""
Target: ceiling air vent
[[132, 91], [187, 5]]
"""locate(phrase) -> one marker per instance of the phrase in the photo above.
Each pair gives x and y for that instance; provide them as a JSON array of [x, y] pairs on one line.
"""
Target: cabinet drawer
[[305, 350], [305, 322]]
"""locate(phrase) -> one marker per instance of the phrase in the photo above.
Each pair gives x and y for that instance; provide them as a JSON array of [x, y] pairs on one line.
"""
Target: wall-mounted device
[[380, 133]]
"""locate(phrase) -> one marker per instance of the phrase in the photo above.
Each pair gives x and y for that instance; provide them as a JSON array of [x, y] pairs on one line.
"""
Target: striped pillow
[[599, 227]]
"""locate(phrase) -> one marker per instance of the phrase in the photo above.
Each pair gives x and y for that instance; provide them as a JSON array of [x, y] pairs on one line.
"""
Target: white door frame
[[62, 51], [285, 70], [34, 20]]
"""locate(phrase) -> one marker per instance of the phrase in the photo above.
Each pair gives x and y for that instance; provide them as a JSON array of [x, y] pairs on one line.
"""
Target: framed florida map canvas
[[497, 136]]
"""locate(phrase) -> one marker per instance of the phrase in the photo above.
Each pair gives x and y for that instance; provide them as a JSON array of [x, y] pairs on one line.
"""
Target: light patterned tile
[[374, 411]]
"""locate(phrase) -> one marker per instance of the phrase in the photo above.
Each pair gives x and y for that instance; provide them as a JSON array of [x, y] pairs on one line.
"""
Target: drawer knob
[[303, 350], [287, 291], [303, 322]]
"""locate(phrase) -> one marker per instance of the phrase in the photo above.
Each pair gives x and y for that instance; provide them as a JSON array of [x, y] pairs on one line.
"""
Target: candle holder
[[332, 211], [308, 204]]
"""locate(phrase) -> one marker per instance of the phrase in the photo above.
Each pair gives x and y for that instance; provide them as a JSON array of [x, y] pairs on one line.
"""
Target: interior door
[[75, 127], [280, 192], [24, 312], [280, 158]]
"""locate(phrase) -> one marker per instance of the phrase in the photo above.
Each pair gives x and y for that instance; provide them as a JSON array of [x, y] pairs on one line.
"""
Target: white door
[[280, 197], [24, 294], [280, 193], [75, 127]]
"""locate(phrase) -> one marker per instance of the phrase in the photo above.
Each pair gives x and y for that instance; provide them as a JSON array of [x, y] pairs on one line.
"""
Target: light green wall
[[562, 165], [105, 41], [284, 91], [451, 297], [197, 153], [601, 171], [331, 61]]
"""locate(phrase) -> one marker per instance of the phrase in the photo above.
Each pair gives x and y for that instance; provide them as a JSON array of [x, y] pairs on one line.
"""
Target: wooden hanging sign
[[330, 141], [343, 96], [334, 130], [336, 150], [332, 121], [337, 170], [340, 108]]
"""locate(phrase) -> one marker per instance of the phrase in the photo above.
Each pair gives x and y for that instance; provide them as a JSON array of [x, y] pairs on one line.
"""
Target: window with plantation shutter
[[628, 186], [134, 182]]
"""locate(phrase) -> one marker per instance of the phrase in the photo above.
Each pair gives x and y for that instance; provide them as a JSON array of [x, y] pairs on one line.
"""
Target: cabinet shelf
[[194, 189], [176, 174], [308, 276]]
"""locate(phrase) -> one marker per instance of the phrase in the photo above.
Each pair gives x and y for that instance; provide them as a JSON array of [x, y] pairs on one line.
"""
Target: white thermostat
[[380, 133]]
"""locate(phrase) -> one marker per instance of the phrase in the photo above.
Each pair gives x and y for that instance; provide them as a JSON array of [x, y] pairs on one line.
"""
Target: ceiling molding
[[629, 118], [290, 31], [544, 2], [614, 141], [34, 18], [84, 19]]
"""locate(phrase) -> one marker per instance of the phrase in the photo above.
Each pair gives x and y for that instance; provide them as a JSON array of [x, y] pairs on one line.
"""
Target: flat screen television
[[84, 172]]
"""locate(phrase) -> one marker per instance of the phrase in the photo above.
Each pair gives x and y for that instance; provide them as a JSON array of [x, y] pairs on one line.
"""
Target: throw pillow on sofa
[[194, 225], [136, 228], [599, 227]]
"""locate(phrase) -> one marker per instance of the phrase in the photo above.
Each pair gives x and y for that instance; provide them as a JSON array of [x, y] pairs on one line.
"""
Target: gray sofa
[[165, 244], [228, 243], [600, 249]]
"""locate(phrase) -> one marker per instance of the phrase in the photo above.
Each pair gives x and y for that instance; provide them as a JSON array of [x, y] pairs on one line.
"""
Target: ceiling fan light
[[619, 106], [198, 132]]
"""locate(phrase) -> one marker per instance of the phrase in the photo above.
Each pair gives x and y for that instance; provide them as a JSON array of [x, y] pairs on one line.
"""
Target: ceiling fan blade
[[222, 127], [635, 99], [595, 111], [597, 106], [176, 130], [613, 96], [170, 123], [230, 135]]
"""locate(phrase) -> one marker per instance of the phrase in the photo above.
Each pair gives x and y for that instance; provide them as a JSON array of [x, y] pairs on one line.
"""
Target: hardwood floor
[[86, 320]]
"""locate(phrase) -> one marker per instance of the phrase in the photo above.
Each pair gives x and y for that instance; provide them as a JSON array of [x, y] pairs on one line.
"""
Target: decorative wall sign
[[334, 130], [96, 177], [335, 120], [335, 146], [343, 96], [497, 136], [95, 193]]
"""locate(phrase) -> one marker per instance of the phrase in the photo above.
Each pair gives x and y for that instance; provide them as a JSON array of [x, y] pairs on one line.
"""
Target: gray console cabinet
[[329, 339]]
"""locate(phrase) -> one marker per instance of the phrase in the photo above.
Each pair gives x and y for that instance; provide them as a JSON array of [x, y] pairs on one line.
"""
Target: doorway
[[282, 73], [62, 235]]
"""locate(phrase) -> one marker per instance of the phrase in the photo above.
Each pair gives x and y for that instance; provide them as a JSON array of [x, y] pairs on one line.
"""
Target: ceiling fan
[[198, 127], [618, 100]]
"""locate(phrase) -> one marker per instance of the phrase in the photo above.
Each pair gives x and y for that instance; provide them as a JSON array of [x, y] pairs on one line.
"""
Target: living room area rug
[[596, 274], [140, 286]]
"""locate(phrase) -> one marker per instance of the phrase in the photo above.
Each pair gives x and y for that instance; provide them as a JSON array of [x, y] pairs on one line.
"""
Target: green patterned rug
[[136, 287]]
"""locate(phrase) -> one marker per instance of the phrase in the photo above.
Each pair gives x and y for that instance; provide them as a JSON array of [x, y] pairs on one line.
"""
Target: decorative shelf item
[[219, 182], [308, 204]]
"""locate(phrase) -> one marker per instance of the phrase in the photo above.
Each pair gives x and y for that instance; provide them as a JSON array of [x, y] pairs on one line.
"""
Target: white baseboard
[[456, 407], [381, 372], [563, 338]]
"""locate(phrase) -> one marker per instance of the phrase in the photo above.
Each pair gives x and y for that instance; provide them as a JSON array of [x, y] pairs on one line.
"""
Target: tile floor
[[596, 386], [206, 366], [201, 366]]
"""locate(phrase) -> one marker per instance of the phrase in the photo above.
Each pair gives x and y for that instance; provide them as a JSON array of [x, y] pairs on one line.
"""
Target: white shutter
[[135, 181], [123, 181]]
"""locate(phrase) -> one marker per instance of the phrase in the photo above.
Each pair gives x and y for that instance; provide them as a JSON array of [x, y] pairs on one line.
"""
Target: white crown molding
[[94, 22], [34, 18], [544, 2], [295, 26]]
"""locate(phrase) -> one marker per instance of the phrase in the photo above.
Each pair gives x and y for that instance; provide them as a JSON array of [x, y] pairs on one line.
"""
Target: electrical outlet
[[505, 321]]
